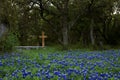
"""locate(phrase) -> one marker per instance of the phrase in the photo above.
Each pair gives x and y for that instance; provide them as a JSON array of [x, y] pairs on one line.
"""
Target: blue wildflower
[[1, 64]]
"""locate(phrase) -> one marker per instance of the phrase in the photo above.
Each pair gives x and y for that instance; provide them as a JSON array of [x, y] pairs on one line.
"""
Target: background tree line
[[65, 22]]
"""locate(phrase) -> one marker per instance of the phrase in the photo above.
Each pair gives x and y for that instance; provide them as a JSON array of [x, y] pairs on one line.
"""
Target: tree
[[84, 21], [59, 8]]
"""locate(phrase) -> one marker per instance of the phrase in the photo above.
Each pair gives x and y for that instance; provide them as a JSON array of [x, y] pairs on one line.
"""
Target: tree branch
[[72, 23]]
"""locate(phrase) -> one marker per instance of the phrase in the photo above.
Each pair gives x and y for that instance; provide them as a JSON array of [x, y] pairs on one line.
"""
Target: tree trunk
[[92, 32], [3, 29], [64, 23], [65, 36]]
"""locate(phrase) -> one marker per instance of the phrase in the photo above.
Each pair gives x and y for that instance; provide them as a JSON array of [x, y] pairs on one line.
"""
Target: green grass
[[34, 54]]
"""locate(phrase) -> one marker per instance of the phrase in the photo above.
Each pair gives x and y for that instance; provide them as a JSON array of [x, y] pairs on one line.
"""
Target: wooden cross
[[43, 38]]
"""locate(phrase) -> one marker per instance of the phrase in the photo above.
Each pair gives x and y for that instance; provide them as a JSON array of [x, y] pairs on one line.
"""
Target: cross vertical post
[[43, 38]]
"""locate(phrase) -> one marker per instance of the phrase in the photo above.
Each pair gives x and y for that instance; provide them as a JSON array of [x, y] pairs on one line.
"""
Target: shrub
[[9, 41]]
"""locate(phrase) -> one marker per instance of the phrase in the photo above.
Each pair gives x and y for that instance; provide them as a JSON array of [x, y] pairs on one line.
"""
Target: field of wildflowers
[[66, 65]]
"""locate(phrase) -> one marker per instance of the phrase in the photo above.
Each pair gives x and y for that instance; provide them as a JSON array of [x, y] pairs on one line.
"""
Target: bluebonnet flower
[[69, 71], [49, 76], [47, 72], [43, 72], [1, 64], [1, 79], [48, 66], [38, 74], [81, 65], [25, 73], [18, 61], [14, 74], [57, 73], [37, 65], [67, 66], [64, 76], [77, 72]]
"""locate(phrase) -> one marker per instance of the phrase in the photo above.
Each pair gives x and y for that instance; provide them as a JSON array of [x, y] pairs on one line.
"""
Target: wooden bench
[[28, 47], [34, 47]]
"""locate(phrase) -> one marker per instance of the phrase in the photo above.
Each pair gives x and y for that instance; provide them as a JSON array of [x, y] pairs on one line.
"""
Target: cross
[[43, 38]]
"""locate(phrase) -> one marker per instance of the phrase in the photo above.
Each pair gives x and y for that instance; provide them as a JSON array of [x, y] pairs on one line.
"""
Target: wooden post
[[43, 38]]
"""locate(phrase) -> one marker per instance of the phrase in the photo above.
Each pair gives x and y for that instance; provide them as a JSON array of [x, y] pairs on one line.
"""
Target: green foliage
[[9, 42], [27, 19]]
